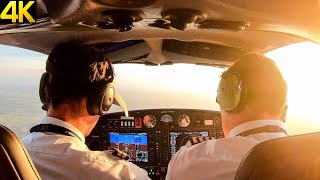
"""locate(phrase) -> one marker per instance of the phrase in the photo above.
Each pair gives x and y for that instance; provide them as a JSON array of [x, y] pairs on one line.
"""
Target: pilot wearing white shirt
[[77, 87], [252, 98]]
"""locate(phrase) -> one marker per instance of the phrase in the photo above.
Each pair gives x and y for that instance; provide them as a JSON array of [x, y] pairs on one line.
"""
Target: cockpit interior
[[158, 33]]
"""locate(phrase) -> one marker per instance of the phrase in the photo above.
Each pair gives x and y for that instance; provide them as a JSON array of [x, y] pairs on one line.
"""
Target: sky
[[177, 86]]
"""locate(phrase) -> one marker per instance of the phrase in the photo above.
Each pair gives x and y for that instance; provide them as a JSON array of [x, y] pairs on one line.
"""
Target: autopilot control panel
[[151, 137]]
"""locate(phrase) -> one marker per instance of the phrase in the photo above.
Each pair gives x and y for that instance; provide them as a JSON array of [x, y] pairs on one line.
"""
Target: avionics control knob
[[95, 145]]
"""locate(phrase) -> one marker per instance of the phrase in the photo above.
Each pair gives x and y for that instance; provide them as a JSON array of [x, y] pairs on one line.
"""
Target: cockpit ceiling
[[43, 40], [299, 17], [241, 24]]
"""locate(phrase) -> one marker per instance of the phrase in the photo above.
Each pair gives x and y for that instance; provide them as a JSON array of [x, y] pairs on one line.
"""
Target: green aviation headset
[[231, 94]]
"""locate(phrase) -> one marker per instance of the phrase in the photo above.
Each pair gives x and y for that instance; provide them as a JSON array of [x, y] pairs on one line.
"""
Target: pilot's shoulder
[[113, 162], [118, 154], [197, 140], [109, 156]]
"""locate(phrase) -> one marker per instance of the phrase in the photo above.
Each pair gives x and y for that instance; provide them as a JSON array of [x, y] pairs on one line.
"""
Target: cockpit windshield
[[177, 86]]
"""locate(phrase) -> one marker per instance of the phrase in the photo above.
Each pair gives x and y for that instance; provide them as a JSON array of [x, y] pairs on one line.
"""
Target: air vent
[[122, 20], [180, 18]]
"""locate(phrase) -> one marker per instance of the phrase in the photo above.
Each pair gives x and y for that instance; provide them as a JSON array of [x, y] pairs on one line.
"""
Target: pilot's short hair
[[266, 88], [69, 68]]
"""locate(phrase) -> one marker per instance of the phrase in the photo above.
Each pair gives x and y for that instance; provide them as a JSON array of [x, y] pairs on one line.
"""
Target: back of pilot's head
[[253, 80], [72, 74]]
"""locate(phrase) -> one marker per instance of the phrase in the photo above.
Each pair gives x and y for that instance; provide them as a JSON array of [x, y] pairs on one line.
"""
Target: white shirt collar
[[58, 122], [254, 124]]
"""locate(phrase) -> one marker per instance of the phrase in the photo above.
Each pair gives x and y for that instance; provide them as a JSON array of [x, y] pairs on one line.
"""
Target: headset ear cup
[[108, 98], [229, 92], [42, 92], [101, 99]]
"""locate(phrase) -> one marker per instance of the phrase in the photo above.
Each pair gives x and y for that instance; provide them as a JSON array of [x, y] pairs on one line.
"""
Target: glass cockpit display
[[178, 139], [134, 144]]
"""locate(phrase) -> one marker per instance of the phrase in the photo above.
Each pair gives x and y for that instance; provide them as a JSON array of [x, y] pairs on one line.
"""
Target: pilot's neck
[[232, 120], [76, 116]]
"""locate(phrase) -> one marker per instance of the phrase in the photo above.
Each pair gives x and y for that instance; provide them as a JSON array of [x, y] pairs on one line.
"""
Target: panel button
[[138, 123]]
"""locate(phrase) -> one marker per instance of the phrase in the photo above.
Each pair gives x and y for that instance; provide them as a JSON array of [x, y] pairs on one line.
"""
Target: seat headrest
[[293, 157], [15, 162]]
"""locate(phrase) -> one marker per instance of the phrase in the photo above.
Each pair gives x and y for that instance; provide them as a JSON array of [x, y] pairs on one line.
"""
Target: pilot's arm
[[187, 162], [137, 172], [132, 171]]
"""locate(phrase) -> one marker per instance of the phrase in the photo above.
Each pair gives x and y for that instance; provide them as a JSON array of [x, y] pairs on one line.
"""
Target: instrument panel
[[151, 137]]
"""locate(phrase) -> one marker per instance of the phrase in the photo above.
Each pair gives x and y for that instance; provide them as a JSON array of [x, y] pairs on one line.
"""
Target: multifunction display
[[134, 144]]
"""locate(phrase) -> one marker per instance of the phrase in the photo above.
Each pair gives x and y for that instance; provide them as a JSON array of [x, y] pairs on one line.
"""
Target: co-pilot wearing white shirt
[[252, 98], [77, 87]]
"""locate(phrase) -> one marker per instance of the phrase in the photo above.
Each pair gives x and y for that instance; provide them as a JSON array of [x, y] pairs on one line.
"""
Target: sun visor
[[120, 102], [200, 52], [125, 52]]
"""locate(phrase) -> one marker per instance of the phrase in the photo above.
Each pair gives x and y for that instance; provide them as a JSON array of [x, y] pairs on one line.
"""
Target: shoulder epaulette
[[120, 154], [196, 140]]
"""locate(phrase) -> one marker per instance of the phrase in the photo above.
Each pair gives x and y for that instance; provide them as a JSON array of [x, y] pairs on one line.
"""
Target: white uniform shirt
[[65, 157], [219, 158]]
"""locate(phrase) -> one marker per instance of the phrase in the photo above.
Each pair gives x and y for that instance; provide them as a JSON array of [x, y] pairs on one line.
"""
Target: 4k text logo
[[17, 11]]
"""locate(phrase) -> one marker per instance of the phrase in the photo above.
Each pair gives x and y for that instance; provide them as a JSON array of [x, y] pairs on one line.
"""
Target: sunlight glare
[[299, 64], [170, 86]]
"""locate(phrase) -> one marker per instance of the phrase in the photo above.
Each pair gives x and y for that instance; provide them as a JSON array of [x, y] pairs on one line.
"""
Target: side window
[[20, 72]]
